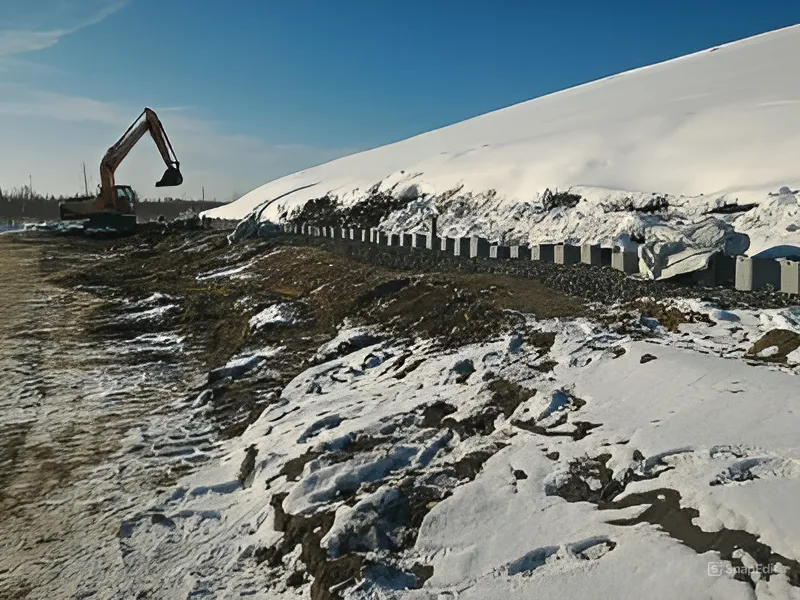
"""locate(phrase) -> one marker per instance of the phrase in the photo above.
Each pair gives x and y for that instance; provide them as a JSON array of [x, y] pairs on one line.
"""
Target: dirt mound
[[782, 342], [670, 317]]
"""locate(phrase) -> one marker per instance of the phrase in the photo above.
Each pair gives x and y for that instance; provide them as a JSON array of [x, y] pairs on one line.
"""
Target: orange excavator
[[115, 205]]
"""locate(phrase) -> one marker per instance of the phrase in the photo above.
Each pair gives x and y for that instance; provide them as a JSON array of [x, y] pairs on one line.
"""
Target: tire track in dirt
[[69, 404]]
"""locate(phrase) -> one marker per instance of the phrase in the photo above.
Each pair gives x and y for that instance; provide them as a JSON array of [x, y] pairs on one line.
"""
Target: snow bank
[[774, 226], [710, 129]]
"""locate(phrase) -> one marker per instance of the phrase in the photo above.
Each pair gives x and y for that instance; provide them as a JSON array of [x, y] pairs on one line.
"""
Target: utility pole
[[204, 193], [85, 181]]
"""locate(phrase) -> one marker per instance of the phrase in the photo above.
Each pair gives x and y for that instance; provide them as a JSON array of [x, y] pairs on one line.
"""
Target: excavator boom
[[118, 199]]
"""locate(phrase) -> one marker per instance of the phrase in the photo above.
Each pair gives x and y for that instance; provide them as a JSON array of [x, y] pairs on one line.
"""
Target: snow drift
[[670, 144]]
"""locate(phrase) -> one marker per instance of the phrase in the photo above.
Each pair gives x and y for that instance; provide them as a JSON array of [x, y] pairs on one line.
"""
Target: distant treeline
[[23, 205]]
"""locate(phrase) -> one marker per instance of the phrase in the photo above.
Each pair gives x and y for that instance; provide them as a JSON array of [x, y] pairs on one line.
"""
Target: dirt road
[[88, 426]]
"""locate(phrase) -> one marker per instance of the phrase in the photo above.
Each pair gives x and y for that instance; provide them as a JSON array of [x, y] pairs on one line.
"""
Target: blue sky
[[251, 90]]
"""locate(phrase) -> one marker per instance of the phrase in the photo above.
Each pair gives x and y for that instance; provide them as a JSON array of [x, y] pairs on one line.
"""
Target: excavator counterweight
[[116, 203]]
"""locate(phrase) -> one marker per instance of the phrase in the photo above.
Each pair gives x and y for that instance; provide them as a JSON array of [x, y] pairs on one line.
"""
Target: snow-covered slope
[[717, 126], [442, 475]]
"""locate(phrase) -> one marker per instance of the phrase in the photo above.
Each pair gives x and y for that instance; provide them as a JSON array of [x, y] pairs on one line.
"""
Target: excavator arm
[[146, 122]]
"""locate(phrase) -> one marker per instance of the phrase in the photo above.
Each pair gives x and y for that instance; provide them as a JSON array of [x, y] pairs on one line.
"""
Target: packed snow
[[277, 314], [680, 414], [655, 152]]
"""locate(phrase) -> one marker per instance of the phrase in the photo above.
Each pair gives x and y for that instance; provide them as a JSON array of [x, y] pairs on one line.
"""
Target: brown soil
[[324, 288], [786, 341], [460, 309], [543, 340], [455, 308], [507, 396], [670, 317]]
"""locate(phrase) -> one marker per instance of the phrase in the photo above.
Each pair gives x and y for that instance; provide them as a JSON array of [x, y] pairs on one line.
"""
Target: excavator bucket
[[172, 176]]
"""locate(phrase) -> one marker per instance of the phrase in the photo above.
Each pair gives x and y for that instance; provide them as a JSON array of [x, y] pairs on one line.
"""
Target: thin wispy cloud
[[22, 65], [27, 26], [19, 41], [23, 101]]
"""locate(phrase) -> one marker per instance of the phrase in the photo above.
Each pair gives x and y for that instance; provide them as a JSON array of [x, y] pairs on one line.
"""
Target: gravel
[[595, 284]]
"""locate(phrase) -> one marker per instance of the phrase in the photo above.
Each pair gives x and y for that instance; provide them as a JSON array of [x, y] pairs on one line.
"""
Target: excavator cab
[[125, 199], [172, 176]]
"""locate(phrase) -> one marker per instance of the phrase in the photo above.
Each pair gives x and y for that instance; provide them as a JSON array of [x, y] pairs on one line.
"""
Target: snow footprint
[[588, 549]]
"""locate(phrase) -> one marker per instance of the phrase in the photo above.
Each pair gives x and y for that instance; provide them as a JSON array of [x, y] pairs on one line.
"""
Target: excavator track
[[111, 222]]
